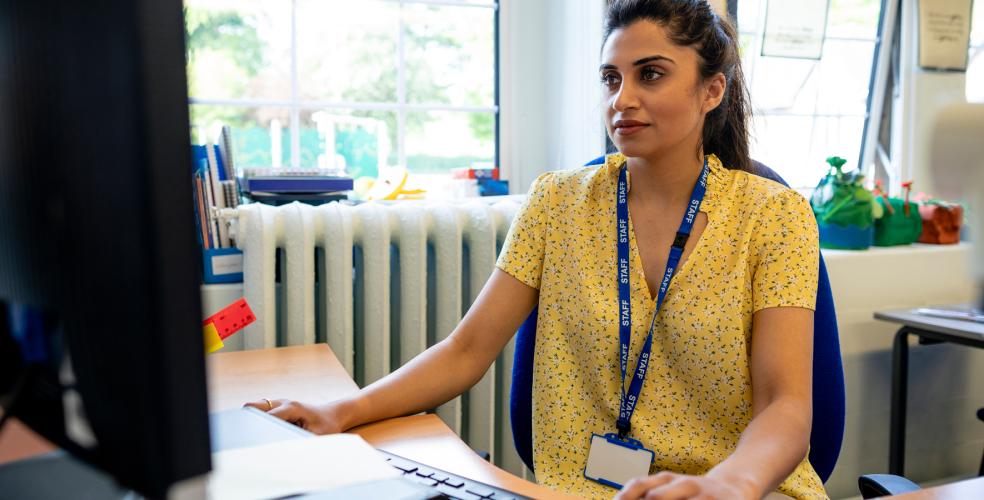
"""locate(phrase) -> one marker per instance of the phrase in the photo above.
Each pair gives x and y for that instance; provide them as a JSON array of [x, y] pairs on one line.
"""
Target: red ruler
[[233, 318]]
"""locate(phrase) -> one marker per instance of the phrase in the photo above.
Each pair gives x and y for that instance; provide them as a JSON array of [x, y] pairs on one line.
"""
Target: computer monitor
[[101, 347]]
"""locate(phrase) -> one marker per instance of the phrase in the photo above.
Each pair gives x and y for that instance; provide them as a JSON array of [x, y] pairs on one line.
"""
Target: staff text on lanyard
[[631, 396]]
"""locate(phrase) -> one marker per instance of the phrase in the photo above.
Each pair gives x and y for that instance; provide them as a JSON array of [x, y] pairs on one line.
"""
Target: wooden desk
[[313, 374]]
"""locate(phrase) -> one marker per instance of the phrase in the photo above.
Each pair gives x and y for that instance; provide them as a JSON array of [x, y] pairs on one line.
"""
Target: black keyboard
[[450, 485]]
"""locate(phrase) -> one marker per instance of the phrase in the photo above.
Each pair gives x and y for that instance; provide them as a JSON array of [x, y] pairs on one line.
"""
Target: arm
[[777, 438], [437, 375]]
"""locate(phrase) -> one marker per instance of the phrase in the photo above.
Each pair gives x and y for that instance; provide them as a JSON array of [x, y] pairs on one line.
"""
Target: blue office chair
[[828, 375]]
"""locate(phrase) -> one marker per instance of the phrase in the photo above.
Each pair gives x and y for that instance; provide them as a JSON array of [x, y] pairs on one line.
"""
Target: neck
[[666, 180]]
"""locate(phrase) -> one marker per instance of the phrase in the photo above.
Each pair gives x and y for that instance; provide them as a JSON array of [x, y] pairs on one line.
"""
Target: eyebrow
[[639, 62]]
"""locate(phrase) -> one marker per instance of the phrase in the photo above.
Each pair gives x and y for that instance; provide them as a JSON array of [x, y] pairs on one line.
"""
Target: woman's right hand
[[329, 418]]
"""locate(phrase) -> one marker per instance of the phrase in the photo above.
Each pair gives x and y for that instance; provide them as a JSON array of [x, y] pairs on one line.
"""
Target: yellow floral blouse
[[758, 250]]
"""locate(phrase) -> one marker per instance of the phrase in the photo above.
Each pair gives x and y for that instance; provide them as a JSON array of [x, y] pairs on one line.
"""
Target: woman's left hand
[[672, 486]]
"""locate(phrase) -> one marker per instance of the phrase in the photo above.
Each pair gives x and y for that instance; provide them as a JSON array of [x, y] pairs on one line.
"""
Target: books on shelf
[[214, 187]]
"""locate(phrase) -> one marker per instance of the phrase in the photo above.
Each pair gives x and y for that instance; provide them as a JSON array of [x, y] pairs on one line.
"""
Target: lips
[[629, 127]]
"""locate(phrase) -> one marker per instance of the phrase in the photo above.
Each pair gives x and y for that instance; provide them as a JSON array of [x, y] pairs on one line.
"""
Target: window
[[333, 83], [804, 110]]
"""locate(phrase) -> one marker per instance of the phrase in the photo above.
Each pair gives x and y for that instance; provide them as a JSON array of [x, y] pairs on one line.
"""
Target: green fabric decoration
[[897, 228], [841, 199]]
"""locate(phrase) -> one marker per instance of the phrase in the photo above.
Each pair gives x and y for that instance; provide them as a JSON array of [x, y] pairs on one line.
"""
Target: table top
[[960, 490], [313, 374], [958, 328]]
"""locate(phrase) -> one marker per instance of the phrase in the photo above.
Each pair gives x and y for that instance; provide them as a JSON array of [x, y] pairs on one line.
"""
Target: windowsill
[[901, 250]]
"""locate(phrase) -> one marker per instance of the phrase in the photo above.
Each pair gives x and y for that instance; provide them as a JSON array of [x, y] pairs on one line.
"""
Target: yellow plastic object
[[392, 187], [212, 340]]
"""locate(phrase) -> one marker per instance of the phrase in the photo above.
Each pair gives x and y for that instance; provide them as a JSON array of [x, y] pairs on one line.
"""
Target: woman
[[725, 405]]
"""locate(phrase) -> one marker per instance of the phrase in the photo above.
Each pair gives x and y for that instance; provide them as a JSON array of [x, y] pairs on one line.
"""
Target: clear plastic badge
[[613, 461]]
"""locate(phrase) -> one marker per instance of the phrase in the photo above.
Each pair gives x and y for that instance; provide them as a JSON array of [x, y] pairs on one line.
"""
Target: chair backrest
[[827, 433]]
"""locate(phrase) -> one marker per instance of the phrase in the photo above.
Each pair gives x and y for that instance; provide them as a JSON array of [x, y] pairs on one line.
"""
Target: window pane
[[805, 111], [438, 141], [346, 51], [845, 18], [836, 84], [748, 15], [254, 132], [361, 141], [853, 19], [450, 55], [797, 146], [238, 49]]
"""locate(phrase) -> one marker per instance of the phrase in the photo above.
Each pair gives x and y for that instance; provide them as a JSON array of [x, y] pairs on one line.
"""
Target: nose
[[626, 98]]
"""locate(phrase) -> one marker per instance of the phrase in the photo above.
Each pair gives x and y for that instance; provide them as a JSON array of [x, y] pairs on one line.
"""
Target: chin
[[634, 149]]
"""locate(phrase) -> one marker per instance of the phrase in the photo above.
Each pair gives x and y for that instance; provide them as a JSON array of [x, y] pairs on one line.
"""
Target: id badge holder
[[612, 461]]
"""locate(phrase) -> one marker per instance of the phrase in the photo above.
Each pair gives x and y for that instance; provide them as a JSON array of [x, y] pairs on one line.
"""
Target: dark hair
[[693, 23]]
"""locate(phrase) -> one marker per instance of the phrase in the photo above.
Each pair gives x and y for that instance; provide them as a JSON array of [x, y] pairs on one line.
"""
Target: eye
[[610, 80], [650, 73]]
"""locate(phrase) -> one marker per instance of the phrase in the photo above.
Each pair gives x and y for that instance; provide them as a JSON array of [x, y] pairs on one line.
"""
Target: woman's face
[[655, 99]]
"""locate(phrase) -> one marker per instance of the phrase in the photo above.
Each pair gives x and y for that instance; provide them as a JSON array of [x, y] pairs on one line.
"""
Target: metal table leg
[[900, 382]]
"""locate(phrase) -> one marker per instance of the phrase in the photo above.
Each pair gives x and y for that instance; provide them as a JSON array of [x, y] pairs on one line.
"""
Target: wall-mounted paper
[[944, 33], [795, 28]]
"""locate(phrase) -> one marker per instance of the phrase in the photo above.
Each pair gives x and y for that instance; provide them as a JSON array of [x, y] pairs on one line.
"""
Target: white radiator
[[391, 281]]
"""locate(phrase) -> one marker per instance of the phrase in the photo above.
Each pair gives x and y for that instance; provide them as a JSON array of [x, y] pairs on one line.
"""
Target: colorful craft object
[[941, 222], [845, 210], [226, 322], [901, 223]]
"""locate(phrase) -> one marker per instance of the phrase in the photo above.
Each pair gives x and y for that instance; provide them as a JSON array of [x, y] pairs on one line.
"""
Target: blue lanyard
[[631, 397]]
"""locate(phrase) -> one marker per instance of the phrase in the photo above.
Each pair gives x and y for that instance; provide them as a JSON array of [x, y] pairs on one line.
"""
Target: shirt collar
[[717, 177]]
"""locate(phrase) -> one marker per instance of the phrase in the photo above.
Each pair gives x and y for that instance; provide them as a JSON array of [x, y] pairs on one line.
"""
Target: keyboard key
[[426, 481], [480, 491], [403, 465], [437, 476], [452, 492], [454, 482], [425, 473]]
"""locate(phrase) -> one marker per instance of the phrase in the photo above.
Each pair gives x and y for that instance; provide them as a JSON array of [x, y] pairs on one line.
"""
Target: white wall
[[549, 95]]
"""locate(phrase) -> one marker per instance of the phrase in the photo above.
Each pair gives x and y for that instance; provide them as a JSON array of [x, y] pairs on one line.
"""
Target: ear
[[714, 89]]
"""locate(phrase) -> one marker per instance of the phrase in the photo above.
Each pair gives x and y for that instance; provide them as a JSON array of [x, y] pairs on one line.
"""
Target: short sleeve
[[786, 252], [523, 250]]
